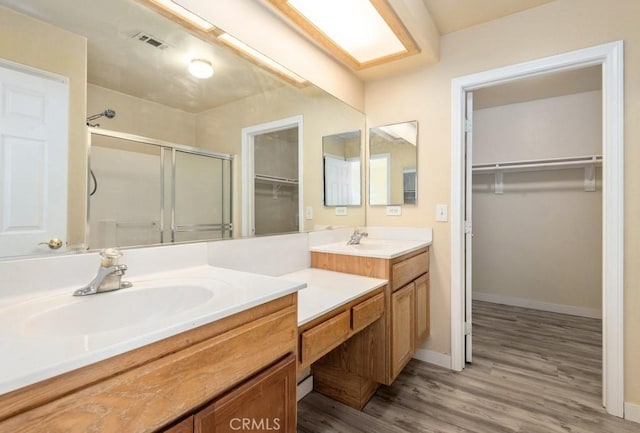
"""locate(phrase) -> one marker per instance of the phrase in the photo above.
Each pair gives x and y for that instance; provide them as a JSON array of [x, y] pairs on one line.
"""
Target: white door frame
[[610, 56], [248, 136]]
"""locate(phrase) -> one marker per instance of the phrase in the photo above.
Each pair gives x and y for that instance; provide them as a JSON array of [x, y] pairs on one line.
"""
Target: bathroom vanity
[[235, 359], [352, 372]]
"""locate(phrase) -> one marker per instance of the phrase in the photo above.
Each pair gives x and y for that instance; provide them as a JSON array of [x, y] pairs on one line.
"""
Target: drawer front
[[367, 312], [320, 339], [408, 270]]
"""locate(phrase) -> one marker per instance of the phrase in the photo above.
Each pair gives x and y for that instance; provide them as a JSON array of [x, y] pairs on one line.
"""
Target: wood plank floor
[[533, 372]]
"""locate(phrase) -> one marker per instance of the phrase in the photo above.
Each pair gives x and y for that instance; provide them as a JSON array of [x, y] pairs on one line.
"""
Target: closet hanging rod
[[538, 164], [275, 179]]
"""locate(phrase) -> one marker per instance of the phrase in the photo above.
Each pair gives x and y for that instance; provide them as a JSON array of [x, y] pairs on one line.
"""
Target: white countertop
[[327, 290], [378, 248], [28, 358]]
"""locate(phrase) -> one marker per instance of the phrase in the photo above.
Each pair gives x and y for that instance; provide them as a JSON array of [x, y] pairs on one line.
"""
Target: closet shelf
[[539, 164], [588, 163], [275, 179]]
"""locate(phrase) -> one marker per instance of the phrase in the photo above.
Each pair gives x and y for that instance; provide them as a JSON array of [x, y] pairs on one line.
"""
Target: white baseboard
[[304, 388], [436, 358], [593, 313], [632, 412]]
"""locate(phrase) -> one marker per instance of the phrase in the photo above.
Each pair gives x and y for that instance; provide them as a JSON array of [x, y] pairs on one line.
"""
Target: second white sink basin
[[148, 301]]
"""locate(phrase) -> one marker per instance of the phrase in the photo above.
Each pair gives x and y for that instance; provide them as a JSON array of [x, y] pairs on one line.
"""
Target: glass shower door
[[201, 196], [125, 193]]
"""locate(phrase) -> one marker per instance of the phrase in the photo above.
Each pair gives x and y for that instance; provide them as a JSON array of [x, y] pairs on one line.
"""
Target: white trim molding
[[610, 56], [435, 358], [304, 387], [632, 412], [248, 169], [593, 313]]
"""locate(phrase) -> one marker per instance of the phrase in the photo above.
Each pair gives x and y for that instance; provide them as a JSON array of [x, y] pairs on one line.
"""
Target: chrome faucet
[[356, 236], [109, 275]]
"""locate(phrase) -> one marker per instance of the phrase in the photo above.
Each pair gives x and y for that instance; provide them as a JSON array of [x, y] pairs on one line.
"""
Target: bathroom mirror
[[342, 168], [393, 170], [123, 56]]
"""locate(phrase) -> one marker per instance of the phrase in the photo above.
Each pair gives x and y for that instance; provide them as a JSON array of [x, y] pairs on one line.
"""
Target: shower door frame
[[174, 148]]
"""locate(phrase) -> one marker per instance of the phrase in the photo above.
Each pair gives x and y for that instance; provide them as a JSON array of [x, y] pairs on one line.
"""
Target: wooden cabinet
[[150, 388], [403, 341], [184, 426], [379, 353], [264, 403], [423, 307]]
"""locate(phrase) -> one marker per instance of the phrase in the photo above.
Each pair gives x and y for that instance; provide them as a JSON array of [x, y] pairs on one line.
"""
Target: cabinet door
[[265, 403], [422, 308], [185, 426], [402, 328]]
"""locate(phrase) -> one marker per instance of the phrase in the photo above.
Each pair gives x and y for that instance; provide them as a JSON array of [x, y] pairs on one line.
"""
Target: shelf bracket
[[499, 182], [590, 178]]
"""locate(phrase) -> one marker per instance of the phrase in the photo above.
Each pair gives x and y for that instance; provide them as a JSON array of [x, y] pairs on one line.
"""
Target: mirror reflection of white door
[[380, 178], [342, 178], [33, 159]]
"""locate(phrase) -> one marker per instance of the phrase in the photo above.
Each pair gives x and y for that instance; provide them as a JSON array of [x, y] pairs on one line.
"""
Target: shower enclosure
[[144, 191]]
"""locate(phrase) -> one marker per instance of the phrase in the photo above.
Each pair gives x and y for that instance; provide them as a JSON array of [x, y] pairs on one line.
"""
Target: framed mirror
[[342, 168], [393, 171], [128, 63]]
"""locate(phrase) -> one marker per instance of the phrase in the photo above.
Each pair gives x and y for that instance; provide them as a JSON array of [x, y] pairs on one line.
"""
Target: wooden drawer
[[408, 270], [320, 339], [367, 312]]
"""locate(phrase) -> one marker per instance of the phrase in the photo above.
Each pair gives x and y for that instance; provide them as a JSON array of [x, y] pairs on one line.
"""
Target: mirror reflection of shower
[[108, 113]]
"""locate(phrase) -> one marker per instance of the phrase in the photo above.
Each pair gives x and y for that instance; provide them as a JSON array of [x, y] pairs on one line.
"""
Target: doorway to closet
[[536, 213], [271, 177], [610, 58]]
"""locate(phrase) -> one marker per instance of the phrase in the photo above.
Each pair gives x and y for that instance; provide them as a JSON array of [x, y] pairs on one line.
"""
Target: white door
[[468, 235], [337, 174], [33, 160]]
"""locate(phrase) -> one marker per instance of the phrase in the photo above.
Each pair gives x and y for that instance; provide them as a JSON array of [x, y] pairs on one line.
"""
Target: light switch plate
[[442, 213], [394, 210], [341, 211], [308, 213]]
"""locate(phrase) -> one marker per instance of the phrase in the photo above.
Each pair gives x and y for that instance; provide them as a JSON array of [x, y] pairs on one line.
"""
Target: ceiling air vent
[[151, 40]]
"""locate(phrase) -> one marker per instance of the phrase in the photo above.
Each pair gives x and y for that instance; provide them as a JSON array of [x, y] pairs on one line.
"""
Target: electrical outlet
[[442, 213], [341, 211], [394, 210], [308, 213]]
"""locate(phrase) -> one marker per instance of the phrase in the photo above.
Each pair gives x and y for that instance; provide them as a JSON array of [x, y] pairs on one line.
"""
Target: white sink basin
[[381, 248], [65, 315]]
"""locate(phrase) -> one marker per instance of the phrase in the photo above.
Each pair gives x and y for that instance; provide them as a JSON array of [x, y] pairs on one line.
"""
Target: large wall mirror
[[342, 172], [393, 171], [125, 68]]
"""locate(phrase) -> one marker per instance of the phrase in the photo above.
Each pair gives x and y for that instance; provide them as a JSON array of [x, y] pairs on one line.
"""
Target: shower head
[[108, 113]]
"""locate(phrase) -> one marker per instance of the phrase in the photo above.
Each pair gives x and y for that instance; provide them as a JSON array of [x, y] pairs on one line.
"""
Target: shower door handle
[[53, 243]]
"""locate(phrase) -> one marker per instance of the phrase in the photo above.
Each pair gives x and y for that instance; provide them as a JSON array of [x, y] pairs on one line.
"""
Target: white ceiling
[[454, 15], [118, 62]]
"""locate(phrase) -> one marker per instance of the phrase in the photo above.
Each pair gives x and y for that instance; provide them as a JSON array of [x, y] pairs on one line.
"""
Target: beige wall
[[220, 129], [425, 95], [542, 239], [141, 117], [31, 42]]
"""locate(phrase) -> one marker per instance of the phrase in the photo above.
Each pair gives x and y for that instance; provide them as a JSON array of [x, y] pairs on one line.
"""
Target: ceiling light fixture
[[175, 9], [200, 68], [261, 59], [361, 33]]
